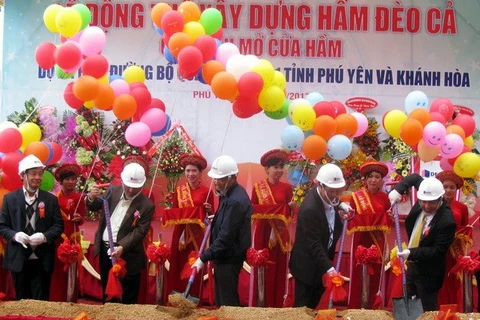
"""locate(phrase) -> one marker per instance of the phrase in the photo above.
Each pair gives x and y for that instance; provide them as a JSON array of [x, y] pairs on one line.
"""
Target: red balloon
[[142, 97], [95, 65], [157, 103], [218, 35], [134, 85], [57, 152], [45, 55], [11, 182], [70, 98], [245, 107], [338, 108], [190, 59], [172, 21], [10, 140], [68, 55], [324, 108], [437, 116], [466, 122], [207, 46], [10, 163], [250, 84], [444, 106]]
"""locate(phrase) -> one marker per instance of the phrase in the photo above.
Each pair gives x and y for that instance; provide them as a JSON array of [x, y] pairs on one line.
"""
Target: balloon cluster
[[192, 39], [126, 95], [18, 142], [319, 127], [436, 132]]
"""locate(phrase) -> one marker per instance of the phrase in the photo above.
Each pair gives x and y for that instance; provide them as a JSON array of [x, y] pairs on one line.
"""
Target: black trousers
[[226, 284], [130, 283], [33, 282], [415, 287], [307, 295]]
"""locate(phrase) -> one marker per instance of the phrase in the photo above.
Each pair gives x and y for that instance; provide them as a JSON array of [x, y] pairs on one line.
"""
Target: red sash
[[264, 193], [366, 218], [278, 216], [462, 242], [184, 196]]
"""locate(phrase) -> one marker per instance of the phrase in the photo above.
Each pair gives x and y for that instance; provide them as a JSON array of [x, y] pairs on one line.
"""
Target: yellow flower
[[300, 192]]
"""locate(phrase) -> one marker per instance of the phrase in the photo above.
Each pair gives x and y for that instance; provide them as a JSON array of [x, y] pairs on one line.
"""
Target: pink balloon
[[138, 134], [68, 55], [445, 165], [362, 123], [158, 104], [466, 122], [92, 41], [444, 106], [10, 140], [452, 146], [250, 84], [45, 55], [437, 116], [207, 46], [154, 118], [434, 133], [119, 87], [225, 51]]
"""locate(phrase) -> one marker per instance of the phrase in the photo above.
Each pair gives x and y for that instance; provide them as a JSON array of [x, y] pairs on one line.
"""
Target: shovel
[[404, 308]]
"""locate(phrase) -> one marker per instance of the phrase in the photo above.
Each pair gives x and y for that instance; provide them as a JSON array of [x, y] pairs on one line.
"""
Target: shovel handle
[[399, 240]]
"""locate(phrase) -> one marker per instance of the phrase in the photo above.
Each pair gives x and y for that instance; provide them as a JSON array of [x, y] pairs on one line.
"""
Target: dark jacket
[[231, 233], [311, 258], [13, 220]]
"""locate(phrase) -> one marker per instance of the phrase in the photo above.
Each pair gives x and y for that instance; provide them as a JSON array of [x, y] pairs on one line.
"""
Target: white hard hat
[[430, 189], [331, 176], [29, 162], [223, 166], [133, 175]]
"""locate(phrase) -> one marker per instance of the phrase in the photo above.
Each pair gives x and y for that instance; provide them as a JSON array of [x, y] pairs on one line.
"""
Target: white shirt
[[117, 216], [30, 200], [330, 214]]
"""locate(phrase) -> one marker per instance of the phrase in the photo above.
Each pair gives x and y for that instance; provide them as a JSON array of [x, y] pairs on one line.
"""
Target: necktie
[[30, 212], [330, 239], [417, 234]]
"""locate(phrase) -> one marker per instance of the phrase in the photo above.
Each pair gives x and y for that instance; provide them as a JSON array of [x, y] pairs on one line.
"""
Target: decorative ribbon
[[158, 254], [258, 258], [368, 256], [468, 264], [69, 253], [333, 283], [447, 312]]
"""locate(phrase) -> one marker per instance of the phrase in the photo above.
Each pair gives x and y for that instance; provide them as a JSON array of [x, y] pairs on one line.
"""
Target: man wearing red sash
[[72, 208], [368, 227], [189, 230]]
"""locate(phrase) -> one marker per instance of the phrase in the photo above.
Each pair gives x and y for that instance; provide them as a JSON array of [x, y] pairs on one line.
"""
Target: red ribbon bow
[[69, 253], [258, 258], [158, 254], [368, 256], [468, 264], [333, 283]]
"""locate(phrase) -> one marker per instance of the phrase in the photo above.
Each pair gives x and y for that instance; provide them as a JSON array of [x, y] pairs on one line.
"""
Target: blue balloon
[[114, 77], [165, 128], [169, 56], [292, 137], [160, 31], [218, 42], [199, 76], [415, 100], [339, 147], [314, 98], [296, 177]]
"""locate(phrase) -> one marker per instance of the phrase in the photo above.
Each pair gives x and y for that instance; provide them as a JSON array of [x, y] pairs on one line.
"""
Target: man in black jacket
[[231, 235]]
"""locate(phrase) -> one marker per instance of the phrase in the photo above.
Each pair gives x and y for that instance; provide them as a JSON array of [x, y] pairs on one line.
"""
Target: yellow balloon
[[469, 142], [303, 116], [271, 98], [393, 121], [104, 79], [193, 29], [265, 69], [467, 165], [134, 74], [89, 104], [279, 80], [30, 133], [68, 22], [49, 16]]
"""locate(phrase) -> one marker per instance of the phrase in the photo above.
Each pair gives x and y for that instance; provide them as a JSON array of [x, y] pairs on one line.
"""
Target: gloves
[[22, 238], [332, 269], [117, 251], [37, 239], [198, 264], [394, 197], [404, 254], [209, 219]]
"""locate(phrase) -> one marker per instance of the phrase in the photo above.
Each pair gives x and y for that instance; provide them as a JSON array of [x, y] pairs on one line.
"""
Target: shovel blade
[[193, 299], [407, 309]]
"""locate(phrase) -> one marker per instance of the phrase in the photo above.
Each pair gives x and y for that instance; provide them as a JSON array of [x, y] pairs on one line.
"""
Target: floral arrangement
[[136, 216], [368, 256], [158, 254], [41, 209], [69, 253], [258, 258], [300, 172], [30, 114], [399, 153], [351, 169], [369, 143]]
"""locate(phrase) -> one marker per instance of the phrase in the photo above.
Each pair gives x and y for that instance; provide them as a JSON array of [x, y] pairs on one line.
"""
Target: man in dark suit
[[318, 229], [30, 222], [131, 215], [431, 229]]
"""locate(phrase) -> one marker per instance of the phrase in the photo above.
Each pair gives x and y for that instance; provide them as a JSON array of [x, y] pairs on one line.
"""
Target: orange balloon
[[421, 115], [38, 149], [190, 11], [210, 69], [411, 131], [105, 97], [124, 106], [85, 88], [224, 85], [314, 147], [3, 191], [427, 153], [325, 127], [178, 41], [346, 124], [158, 11], [454, 128]]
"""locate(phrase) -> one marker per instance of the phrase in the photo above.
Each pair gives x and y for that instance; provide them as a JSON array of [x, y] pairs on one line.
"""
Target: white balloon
[[237, 65], [7, 124], [415, 100]]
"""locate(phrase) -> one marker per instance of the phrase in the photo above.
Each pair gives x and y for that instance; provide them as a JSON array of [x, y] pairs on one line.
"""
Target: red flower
[[158, 254], [69, 253], [258, 258]]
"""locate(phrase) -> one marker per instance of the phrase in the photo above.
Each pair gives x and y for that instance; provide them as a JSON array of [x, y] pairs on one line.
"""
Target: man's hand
[[394, 197], [404, 254], [22, 238], [117, 252], [94, 192], [37, 239], [77, 218], [208, 207], [198, 264]]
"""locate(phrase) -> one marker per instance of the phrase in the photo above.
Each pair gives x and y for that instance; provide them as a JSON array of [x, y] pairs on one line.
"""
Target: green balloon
[[280, 113], [211, 19], [62, 74], [48, 181], [84, 13]]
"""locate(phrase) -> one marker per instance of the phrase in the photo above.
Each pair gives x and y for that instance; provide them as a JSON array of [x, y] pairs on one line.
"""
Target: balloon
[[445, 165], [38, 149], [292, 137], [95, 65], [467, 165], [452, 146], [339, 147], [218, 35], [265, 69], [157, 104], [434, 133], [10, 182], [238, 65], [210, 69], [225, 51], [415, 100], [272, 99], [49, 17], [68, 22], [453, 128], [85, 88], [157, 13], [190, 59], [154, 118], [465, 150], [30, 133], [392, 122], [325, 127], [421, 115], [295, 103], [469, 142], [10, 140], [207, 46], [143, 99], [338, 108], [169, 56], [245, 107], [10, 163], [362, 123], [177, 42], [224, 85], [45, 55], [70, 98], [138, 134], [48, 181], [437, 116], [7, 124], [324, 108], [280, 113], [68, 55], [427, 152], [92, 41], [303, 116], [55, 151], [172, 21], [250, 84], [279, 80], [124, 106], [211, 19], [411, 131], [165, 128], [314, 98], [346, 124], [134, 74], [314, 147], [119, 87], [466, 122], [62, 74], [85, 14], [444, 106], [189, 10], [105, 97], [194, 30]]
